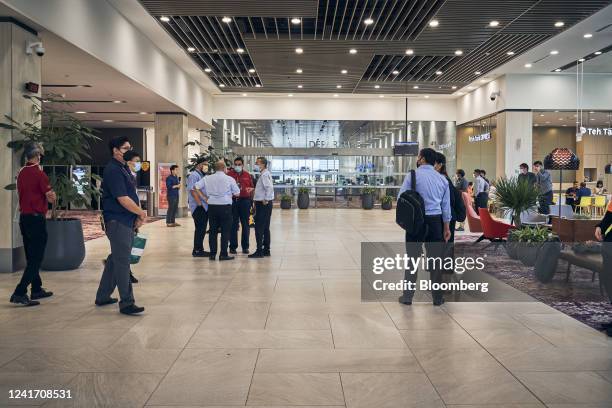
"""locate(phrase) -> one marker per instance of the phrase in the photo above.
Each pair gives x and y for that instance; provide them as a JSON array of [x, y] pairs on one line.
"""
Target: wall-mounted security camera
[[494, 95], [35, 47]]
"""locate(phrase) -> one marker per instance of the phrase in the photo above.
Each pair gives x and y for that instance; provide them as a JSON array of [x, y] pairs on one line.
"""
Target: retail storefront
[[477, 146]]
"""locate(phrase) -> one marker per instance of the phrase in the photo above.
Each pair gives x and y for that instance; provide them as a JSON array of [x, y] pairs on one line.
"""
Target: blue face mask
[[238, 169], [137, 166]]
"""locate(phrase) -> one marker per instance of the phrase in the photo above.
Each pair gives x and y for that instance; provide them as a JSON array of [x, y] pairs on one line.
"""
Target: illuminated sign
[[597, 131], [480, 138]]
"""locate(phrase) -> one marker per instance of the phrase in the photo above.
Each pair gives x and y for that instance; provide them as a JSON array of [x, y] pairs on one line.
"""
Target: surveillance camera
[[494, 95], [36, 47]]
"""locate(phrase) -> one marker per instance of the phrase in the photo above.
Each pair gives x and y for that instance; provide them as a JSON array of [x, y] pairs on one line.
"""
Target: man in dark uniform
[[34, 195], [122, 215]]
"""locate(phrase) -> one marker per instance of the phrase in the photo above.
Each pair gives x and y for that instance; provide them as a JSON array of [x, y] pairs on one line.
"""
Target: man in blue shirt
[[583, 191], [122, 215], [173, 184], [433, 188], [218, 190], [198, 208]]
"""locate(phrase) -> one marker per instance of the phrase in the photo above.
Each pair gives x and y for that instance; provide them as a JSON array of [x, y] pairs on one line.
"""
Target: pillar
[[514, 142], [16, 68], [171, 134]]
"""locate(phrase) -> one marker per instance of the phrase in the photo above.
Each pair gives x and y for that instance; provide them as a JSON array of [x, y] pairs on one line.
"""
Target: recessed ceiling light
[[239, 50], [588, 35], [335, 95], [439, 72], [434, 23], [581, 60], [221, 85], [299, 50], [458, 52], [226, 19], [290, 95], [252, 70], [409, 52], [299, 71], [547, 121], [528, 65], [144, 113], [296, 20], [338, 86], [164, 19], [477, 73], [558, 70], [80, 112], [460, 93], [559, 24], [300, 86], [344, 71], [453, 87], [190, 49], [117, 101], [108, 120], [244, 94], [591, 112], [541, 114], [597, 52], [257, 85], [494, 23], [207, 69], [510, 53], [554, 52], [368, 21], [352, 51], [426, 96], [415, 87], [381, 96], [376, 86], [395, 72], [484, 79]]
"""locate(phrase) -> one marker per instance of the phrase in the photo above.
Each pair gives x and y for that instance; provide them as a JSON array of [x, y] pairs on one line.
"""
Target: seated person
[[583, 191], [570, 195], [599, 188]]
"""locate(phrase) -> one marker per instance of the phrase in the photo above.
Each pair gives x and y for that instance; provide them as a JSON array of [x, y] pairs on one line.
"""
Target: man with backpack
[[424, 211]]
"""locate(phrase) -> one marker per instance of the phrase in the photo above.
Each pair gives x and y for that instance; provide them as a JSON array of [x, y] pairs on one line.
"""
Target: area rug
[[91, 222]]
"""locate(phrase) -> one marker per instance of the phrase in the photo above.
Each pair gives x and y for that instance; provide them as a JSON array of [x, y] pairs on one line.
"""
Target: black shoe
[[42, 293], [232, 251], [212, 257], [225, 258], [23, 300], [256, 254], [245, 251], [133, 278], [131, 310], [404, 301], [438, 302], [110, 301], [266, 253], [200, 254]]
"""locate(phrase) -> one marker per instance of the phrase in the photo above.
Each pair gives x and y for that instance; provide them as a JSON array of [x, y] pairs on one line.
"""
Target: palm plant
[[66, 142], [515, 196]]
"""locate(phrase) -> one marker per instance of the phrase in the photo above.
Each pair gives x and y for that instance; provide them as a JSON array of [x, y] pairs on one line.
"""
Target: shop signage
[[480, 138], [597, 131]]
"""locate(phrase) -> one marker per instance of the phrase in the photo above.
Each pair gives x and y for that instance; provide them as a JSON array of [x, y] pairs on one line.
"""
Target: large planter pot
[[546, 261], [367, 201], [285, 204], [511, 247], [527, 252], [387, 205], [303, 201], [65, 245]]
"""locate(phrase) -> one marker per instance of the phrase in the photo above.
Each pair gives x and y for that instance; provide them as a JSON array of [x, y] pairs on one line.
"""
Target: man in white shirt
[[218, 190], [263, 197]]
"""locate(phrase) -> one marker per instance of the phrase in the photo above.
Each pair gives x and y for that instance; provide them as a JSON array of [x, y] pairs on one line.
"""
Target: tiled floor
[[290, 330]]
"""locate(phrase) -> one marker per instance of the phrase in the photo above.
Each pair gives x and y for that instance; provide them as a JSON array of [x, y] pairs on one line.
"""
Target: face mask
[[238, 168], [125, 156], [137, 166]]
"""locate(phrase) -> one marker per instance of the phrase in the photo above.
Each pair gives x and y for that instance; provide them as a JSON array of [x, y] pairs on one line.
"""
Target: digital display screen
[[406, 149]]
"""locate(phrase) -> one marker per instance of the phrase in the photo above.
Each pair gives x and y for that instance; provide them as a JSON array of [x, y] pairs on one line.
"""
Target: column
[[514, 142], [171, 134], [16, 68]]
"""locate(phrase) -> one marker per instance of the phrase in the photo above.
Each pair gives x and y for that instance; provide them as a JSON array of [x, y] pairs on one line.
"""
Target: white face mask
[[238, 169]]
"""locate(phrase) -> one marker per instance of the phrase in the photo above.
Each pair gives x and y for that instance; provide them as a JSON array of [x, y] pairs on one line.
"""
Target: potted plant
[[515, 196], [285, 202], [367, 198], [66, 142], [303, 200], [529, 241], [511, 244], [386, 203]]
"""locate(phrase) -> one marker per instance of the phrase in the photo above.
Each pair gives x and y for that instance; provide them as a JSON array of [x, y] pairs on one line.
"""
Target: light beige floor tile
[[9, 354], [338, 360], [287, 319], [63, 338], [160, 332], [551, 358], [453, 338], [508, 338], [447, 360], [272, 339], [567, 387], [358, 330], [296, 389], [419, 317], [237, 315], [389, 390], [207, 377], [606, 374]]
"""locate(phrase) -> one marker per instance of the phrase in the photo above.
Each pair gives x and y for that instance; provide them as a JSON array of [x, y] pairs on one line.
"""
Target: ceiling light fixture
[[244, 94], [252, 70], [296, 20], [144, 113], [395, 72], [415, 87], [207, 69], [409, 52], [453, 87], [352, 51], [108, 120], [528, 65], [299, 71], [338, 86], [368, 21], [239, 50], [257, 86], [299, 50], [190, 49], [426, 96], [554, 52], [510, 53], [335, 95], [597, 52], [290, 95], [164, 19], [588, 35], [458, 52], [494, 23], [439, 72], [226, 19], [344, 71], [376, 86], [80, 112], [300, 86], [117, 101], [581, 60], [381, 96], [434, 23], [559, 24], [477, 73], [558, 70], [221, 85]]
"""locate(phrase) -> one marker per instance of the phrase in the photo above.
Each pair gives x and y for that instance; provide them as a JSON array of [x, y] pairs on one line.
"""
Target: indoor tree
[[515, 196]]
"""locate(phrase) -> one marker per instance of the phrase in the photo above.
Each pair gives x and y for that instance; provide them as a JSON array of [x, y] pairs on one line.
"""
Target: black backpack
[[410, 211], [458, 207]]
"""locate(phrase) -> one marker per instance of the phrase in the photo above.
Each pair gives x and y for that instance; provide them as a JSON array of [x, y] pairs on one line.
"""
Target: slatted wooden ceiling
[[329, 28]]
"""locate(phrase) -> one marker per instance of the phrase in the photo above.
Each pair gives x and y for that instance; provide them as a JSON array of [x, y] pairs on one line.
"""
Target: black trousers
[[172, 209], [263, 213], [241, 210], [219, 216], [545, 201], [34, 232], [200, 219], [434, 247], [482, 201]]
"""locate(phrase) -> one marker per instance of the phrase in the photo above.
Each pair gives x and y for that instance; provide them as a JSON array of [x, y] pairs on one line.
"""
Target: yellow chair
[[585, 203], [600, 205]]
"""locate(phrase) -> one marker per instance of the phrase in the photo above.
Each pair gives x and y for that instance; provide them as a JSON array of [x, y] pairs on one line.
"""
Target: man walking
[[434, 190], [526, 175], [122, 215], [544, 184], [481, 190], [263, 197], [198, 208], [173, 184], [34, 195], [218, 190], [241, 206]]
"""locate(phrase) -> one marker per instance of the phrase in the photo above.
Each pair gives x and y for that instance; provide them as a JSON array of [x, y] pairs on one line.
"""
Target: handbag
[[138, 246]]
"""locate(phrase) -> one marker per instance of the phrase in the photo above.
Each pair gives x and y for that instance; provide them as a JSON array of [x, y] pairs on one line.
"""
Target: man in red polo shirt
[[241, 206], [34, 195]]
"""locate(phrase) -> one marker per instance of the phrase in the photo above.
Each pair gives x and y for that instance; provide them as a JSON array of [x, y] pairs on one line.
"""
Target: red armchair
[[494, 231], [473, 220]]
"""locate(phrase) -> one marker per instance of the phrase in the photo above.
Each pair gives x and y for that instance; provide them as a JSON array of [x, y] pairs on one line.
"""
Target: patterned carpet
[[91, 222]]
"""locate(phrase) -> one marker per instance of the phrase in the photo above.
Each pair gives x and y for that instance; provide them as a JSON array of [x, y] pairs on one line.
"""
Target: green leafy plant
[[210, 157], [66, 142], [286, 197], [303, 190], [579, 216], [515, 196], [368, 190], [386, 199], [536, 234]]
